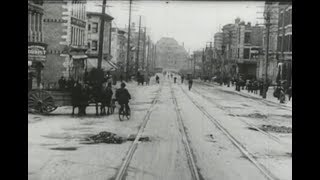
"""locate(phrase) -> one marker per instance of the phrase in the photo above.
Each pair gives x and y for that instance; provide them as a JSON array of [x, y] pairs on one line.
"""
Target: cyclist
[[123, 96]]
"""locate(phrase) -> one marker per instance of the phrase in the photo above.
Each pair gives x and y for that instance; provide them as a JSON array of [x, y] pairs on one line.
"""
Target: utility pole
[[144, 48], [138, 51], [194, 64], [155, 57], [128, 44], [100, 52], [148, 55], [268, 24], [203, 61]]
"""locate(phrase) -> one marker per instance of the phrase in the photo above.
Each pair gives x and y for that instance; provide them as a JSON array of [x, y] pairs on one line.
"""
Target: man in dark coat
[[123, 96], [182, 79], [190, 83], [157, 79], [62, 83], [175, 79]]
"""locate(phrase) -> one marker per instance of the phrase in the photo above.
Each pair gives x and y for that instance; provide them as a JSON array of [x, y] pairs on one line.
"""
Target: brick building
[[64, 29], [280, 43], [242, 44], [36, 45], [93, 32]]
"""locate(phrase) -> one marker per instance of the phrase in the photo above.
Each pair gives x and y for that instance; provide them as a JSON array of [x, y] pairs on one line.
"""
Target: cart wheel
[[41, 102]]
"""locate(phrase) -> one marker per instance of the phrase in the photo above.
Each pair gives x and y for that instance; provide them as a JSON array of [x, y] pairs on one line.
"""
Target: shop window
[[95, 27], [246, 53], [89, 27], [94, 45]]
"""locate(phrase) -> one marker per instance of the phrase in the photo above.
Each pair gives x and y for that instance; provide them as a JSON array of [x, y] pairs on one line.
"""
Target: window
[[246, 53], [238, 53], [71, 41], [280, 19], [94, 45], [89, 27], [279, 43], [247, 37], [95, 27], [290, 43]]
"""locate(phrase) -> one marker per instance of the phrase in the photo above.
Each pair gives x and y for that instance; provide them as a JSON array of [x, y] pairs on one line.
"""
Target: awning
[[105, 65], [79, 56]]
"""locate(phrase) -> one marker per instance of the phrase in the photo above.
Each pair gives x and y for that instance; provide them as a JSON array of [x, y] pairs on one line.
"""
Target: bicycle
[[124, 112]]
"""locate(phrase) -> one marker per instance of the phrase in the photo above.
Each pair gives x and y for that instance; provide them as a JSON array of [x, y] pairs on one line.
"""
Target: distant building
[[93, 33], [64, 29], [171, 55], [36, 45], [218, 40], [119, 47]]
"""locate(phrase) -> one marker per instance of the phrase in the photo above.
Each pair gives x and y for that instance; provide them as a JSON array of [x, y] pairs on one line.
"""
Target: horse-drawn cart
[[45, 101]]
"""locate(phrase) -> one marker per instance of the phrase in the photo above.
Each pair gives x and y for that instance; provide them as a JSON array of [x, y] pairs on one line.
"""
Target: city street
[[204, 133]]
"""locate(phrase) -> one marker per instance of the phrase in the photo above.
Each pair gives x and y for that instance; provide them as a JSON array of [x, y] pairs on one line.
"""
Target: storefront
[[36, 59], [78, 64]]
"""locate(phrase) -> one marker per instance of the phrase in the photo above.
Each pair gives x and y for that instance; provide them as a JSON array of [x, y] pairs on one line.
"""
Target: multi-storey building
[[119, 48], [64, 29], [93, 32], [218, 40], [36, 45], [280, 43], [170, 55]]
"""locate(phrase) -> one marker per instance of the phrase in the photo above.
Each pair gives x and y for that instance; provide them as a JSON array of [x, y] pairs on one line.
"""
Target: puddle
[[277, 129], [65, 148]]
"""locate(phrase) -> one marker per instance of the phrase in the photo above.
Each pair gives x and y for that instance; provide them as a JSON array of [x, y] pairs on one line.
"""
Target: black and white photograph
[[159, 90]]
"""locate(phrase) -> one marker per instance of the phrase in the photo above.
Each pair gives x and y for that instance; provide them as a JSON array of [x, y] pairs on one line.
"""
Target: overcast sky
[[191, 22]]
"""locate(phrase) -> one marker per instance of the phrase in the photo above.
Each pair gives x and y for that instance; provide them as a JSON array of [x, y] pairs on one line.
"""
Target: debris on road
[[65, 148], [105, 137], [132, 137], [278, 129]]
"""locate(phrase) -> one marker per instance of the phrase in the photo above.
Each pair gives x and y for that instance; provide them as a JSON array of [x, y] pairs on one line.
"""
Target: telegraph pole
[[194, 64], [137, 60], [268, 24], [100, 52], [148, 55], [128, 44], [144, 48]]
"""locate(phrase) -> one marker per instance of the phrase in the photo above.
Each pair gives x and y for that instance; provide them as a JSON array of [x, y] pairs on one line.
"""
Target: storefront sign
[[78, 22], [36, 53]]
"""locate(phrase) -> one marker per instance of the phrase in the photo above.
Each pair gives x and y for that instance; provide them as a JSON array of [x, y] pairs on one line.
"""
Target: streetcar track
[[190, 157], [126, 161], [239, 145], [273, 137]]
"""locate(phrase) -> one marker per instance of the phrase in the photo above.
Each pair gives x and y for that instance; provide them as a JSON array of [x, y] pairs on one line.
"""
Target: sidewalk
[[270, 97]]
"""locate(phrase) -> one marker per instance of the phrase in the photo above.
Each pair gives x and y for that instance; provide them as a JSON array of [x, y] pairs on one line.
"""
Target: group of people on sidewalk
[[257, 87]]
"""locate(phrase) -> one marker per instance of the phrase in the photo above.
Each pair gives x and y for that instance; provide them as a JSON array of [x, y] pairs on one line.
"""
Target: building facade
[[218, 40], [119, 48], [64, 29], [36, 45], [280, 44], [93, 32]]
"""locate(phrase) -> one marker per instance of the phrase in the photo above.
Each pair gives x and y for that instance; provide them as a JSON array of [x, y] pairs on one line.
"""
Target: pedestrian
[[62, 83], [157, 79], [121, 77], [108, 97], [182, 79], [289, 92], [175, 79], [190, 83], [147, 80]]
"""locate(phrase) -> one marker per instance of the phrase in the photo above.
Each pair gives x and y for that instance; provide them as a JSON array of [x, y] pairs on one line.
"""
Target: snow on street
[[164, 156]]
